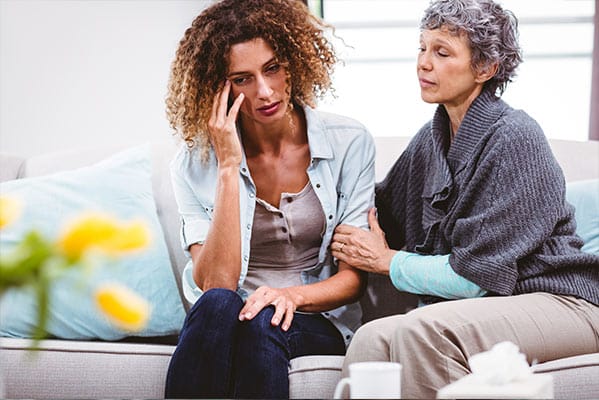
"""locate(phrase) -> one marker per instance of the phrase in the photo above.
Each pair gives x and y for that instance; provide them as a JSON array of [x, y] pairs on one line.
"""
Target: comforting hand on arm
[[217, 262], [409, 272], [365, 250]]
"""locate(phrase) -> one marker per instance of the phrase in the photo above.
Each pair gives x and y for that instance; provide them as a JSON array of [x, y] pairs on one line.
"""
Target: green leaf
[[24, 263]]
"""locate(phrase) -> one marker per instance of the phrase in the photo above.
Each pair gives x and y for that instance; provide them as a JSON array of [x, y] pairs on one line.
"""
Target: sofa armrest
[[11, 167]]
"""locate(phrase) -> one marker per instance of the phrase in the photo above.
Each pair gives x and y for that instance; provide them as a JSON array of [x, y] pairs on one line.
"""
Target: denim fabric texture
[[219, 356]]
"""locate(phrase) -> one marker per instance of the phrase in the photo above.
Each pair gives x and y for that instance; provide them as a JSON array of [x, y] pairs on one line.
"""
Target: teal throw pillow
[[121, 187], [584, 196]]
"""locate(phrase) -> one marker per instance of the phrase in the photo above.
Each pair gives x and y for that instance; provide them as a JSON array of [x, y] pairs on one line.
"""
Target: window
[[378, 86]]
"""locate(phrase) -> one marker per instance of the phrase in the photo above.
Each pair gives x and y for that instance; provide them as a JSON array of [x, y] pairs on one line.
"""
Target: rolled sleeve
[[195, 220], [194, 229], [191, 291]]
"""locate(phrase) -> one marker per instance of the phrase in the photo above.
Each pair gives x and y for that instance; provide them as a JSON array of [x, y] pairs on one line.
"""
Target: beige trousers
[[433, 343]]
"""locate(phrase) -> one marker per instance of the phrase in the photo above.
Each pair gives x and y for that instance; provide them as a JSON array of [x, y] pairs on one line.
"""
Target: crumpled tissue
[[500, 373], [502, 364]]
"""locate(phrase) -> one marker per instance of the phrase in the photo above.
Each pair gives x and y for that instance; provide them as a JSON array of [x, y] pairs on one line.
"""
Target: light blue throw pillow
[[120, 186], [584, 196]]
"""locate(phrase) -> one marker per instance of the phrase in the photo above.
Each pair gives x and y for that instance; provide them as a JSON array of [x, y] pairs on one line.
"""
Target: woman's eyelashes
[[241, 80], [273, 68], [441, 52]]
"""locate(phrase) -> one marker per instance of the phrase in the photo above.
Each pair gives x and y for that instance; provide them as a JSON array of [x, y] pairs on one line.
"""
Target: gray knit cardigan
[[494, 199]]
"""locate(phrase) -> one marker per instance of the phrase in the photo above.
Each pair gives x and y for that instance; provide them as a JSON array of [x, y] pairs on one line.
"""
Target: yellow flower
[[10, 209], [101, 232], [123, 307]]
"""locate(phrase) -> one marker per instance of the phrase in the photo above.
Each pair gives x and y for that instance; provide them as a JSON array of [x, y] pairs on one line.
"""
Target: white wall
[[76, 73]]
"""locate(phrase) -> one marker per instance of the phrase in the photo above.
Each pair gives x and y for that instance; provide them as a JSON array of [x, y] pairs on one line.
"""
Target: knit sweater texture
[[493, 198]]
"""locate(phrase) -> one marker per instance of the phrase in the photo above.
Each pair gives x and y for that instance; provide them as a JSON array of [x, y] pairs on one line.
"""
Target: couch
[[136, 368]]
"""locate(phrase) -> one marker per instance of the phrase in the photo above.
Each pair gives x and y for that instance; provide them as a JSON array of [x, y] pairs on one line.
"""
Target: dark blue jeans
[[220, 357]]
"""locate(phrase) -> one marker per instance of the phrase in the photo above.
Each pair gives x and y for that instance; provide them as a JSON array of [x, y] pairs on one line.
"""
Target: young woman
[[261, 183], [473, 211]]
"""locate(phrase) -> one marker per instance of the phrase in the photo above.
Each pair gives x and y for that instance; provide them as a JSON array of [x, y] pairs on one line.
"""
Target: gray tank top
[[285, 240]]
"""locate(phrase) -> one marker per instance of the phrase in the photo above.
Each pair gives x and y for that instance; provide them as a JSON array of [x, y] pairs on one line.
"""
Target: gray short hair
[[491, 31]]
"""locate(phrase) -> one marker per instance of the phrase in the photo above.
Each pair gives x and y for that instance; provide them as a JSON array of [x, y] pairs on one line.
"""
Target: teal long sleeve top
[[430, 275]]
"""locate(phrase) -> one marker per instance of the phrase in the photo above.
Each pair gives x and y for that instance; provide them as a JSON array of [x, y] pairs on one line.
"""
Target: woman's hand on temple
[[365, 250], [221, 127], [265, 296]]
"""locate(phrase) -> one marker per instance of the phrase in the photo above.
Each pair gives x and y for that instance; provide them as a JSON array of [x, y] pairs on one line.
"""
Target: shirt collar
[[484, 111], [320, 146], [450, 158], [438, 184], [318, 141]]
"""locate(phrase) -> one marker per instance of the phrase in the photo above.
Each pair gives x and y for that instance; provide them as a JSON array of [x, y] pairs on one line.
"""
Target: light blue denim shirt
[[341, 172]]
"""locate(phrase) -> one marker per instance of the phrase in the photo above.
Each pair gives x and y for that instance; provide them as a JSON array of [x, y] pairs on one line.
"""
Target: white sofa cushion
[[83, 370]]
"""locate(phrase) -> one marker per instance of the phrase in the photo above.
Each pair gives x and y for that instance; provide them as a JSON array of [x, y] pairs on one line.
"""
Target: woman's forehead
[[250, 52], [444, 34]]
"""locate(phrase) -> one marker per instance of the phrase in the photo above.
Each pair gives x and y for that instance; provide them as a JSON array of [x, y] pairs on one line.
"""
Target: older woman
[[261, 183], [473, 211]]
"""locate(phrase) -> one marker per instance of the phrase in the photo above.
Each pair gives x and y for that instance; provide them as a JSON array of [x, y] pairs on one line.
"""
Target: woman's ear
[[486, 72]]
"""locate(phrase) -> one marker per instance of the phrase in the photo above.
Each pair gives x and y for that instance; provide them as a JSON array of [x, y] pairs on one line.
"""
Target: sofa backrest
[[579, 160]]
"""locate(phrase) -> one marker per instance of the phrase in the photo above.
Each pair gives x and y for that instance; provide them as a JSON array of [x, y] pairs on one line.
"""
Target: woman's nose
[[424, 61], [264, 89]]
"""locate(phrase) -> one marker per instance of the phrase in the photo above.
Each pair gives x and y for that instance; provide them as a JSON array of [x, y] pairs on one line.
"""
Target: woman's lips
[[425, 84], [269, 109]]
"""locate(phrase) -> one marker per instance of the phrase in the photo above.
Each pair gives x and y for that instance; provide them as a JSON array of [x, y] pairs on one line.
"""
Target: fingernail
[[285, 327], [241, 318], [275, 321], [248, 315]]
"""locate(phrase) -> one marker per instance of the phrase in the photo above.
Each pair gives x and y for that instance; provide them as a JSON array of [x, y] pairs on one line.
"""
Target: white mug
[[372, 380]]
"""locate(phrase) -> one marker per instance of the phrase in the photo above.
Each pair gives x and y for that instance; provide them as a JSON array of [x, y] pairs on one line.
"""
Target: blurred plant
[[37, 261]]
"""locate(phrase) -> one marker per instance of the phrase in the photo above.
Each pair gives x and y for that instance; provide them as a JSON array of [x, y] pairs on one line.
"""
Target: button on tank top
[[285, 240]]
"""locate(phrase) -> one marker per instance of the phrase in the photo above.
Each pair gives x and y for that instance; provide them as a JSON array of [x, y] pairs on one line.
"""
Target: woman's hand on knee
[[281, 299]]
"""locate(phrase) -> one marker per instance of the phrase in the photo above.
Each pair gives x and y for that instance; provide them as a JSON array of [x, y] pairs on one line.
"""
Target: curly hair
[[202, 58], [492, 33]]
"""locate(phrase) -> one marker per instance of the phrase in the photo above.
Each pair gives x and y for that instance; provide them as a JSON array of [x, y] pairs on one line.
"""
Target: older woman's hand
[[365, 250]]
